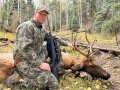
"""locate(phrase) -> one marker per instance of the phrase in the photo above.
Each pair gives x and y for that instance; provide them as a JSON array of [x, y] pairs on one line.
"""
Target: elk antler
[[76, 48], [91, 44]]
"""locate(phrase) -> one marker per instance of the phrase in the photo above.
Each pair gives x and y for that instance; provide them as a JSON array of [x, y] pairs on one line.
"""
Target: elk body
[[6, 65], [86, 64]]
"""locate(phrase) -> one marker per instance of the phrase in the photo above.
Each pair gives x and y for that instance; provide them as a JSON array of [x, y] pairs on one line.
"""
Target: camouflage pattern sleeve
[[62, 42], [24, 45]]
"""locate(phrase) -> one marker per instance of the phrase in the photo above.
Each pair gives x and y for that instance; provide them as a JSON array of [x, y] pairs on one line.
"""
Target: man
[[28, 55]]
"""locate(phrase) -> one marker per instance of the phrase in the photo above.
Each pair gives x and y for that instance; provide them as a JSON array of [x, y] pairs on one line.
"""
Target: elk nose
[[107, 77]]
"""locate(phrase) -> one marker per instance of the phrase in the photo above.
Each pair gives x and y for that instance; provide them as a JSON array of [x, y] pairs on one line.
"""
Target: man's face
[[41, 16]]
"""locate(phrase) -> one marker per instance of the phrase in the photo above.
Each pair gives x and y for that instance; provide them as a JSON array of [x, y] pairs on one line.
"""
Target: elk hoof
[[68, 71], [77, 74]]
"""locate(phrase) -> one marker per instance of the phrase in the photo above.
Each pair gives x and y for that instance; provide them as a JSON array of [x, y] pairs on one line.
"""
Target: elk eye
[[93, 66]]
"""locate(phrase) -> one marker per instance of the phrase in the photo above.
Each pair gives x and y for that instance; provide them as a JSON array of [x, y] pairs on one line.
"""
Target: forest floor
[[68, 82], [109, 62]]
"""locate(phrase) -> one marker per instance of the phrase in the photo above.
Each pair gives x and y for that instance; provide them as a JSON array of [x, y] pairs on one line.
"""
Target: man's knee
[[53, 83], [60, 68], [54, 86]]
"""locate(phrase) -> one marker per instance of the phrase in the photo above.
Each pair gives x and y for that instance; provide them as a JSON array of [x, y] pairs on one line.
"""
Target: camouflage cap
[[42, 8]]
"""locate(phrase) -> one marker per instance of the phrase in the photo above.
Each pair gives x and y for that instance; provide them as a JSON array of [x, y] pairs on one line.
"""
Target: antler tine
[[91, 51], [91, 44], [74, 42], [86, 36], [75, 46], [79, 51]]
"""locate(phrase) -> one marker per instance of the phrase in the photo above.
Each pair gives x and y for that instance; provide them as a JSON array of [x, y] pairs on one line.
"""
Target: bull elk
[[85, 63]]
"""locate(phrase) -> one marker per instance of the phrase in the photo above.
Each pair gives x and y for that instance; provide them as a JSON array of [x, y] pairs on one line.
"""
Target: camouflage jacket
[[29, 41]]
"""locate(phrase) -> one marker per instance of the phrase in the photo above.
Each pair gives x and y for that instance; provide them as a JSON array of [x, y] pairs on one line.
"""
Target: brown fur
[[6, 65], [69, 61]]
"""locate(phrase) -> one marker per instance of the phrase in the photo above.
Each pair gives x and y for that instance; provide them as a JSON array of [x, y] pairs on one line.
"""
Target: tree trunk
[[81, 15], [60, 15], [55, 21], [67, 14], [20, 12], [7, 21]]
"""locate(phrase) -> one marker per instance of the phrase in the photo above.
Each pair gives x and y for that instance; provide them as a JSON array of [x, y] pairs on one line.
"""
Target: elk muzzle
[[96, 71]]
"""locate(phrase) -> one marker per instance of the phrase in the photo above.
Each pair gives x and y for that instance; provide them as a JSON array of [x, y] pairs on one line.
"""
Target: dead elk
[[85, 63]]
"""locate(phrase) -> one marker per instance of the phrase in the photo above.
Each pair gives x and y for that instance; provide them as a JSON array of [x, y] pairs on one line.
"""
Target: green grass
[[69, 82], [8, 48], [10, 36], [101, 38]]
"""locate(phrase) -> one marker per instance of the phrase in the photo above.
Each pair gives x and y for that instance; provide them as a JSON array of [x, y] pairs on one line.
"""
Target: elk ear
[[76, 67]]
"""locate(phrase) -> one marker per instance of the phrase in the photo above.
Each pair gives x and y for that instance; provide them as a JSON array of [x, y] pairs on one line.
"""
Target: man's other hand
[[71, 45], [45, 66]]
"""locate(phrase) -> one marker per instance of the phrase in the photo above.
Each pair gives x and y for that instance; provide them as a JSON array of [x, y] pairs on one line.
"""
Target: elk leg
[[77, 73], [60, 68], [76, 67], [68, 71]]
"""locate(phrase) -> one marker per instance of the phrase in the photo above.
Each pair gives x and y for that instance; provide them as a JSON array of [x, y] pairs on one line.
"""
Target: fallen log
[[5, 44], [102, 47], [5, 41]]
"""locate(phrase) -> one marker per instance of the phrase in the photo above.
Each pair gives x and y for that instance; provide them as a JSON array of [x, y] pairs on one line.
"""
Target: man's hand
[[71, 45], [45, 66]]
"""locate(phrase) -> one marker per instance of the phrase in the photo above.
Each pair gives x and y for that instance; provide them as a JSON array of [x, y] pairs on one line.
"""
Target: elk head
[[87, 64]]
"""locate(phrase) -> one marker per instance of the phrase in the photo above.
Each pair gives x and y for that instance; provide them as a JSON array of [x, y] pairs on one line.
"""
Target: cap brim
[[44, 11]]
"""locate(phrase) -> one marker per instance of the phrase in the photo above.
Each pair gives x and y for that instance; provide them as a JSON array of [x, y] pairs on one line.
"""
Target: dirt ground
[[111, 64]]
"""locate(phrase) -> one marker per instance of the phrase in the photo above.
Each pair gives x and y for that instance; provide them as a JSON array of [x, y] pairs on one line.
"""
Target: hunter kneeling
[[29, 58]]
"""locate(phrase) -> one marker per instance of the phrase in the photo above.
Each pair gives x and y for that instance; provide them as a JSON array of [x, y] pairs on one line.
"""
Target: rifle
[[54, 52]]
